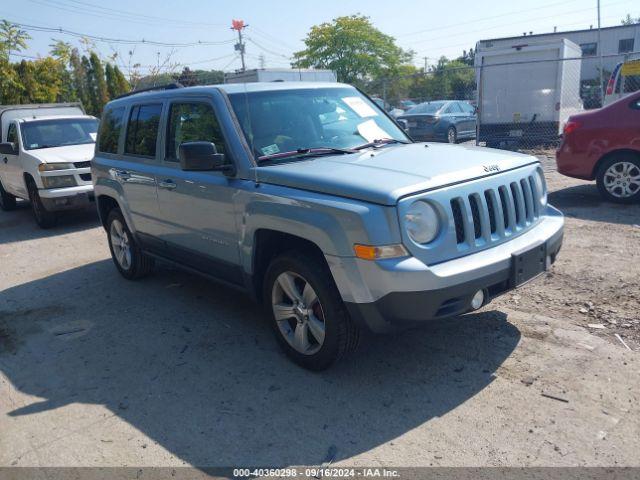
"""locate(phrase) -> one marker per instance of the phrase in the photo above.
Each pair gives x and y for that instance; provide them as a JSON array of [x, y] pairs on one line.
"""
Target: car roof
[[54, 117], [229, 88]]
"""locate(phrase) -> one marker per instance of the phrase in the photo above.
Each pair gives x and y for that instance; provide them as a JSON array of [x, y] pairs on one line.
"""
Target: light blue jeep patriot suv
[[309, 197]]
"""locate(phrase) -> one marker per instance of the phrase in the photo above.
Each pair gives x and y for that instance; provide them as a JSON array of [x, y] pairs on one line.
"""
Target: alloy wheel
[[622, 179], [120, 244], [298, 313]]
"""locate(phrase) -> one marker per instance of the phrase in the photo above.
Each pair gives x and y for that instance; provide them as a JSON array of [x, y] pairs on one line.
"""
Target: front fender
[[332, 223]]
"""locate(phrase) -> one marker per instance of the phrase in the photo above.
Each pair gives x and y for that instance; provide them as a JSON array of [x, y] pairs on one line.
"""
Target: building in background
[[615, 43]]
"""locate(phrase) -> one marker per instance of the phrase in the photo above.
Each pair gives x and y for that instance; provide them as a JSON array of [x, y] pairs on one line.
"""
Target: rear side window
[[192, 122], [110, 128], [142, 131]]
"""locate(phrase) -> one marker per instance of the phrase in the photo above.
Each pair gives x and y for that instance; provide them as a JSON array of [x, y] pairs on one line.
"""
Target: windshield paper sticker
[[370, 131], [270, 149], [93, 135], [359, 106]]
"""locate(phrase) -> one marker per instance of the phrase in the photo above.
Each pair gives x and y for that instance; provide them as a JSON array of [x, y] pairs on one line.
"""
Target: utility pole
[[426, 64], [239, 25], [600, 54]]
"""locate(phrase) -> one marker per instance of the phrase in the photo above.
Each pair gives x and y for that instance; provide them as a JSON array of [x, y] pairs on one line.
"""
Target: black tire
[[341, 335], [7, 201], [452, 135], [604, 177], [139, 265], [44, 218]]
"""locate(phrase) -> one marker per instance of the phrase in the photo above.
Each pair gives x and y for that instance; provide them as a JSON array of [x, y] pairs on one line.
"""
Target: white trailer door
[[518, 85]]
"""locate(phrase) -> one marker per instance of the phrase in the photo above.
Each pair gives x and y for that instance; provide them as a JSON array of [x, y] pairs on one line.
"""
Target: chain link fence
[[521, 104]]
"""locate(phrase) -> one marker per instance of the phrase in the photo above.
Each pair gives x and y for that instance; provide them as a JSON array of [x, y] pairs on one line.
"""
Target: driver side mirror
[[8, 148], [403, 124], [203, 156]]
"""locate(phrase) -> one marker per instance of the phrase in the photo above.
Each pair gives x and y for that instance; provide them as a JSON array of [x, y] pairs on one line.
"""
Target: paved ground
[[175, 370]]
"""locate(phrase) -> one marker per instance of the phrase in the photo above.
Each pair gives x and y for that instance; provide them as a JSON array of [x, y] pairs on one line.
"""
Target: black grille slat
[[475, 212], [458, 221], [86, 164], [492, 211], [516, 202], [505, 208], [86, 177]]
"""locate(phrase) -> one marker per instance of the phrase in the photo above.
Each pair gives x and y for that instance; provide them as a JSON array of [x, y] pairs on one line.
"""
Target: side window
[[467, 107], [110, 127], [142, 131], [192, 122], [453, 108], [12, 133]]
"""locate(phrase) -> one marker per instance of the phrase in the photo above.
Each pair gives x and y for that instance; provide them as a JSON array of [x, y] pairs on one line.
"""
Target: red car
[[604, 145]]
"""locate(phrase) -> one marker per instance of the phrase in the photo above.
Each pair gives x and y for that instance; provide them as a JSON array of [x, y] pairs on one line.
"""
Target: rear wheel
[[130, 261], [7, 201], [452, 135], [308, 317], [618, 178], [43, 217]]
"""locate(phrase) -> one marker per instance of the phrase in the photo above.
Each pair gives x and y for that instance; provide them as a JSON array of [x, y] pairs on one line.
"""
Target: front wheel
[[130, 261], [309, 319], [452, 135], [44, 218], [618, 178]]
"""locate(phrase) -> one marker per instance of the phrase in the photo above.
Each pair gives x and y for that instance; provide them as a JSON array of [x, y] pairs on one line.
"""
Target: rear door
[[197, 208], [469, 118], [136, 172], [454, 114]]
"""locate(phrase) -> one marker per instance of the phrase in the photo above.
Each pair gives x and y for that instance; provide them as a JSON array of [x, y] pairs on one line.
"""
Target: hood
[[68, 153], [383, 176]]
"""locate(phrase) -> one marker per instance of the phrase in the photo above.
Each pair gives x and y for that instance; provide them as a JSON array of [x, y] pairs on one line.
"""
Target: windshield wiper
[[306, 152], [379, 142]]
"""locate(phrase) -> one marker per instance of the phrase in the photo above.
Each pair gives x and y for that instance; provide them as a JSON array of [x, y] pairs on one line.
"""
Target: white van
[[625, 79], [45, 155]]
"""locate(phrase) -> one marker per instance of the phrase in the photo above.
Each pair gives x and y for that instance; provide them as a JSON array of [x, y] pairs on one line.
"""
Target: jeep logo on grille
[[491, 168]]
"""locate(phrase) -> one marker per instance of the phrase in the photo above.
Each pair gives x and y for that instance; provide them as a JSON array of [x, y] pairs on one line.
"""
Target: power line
[[121, 41], [84, 8], [424, 40], [266, 49]]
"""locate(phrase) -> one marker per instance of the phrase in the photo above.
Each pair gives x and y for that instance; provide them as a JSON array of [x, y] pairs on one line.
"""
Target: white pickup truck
[[45, 155]]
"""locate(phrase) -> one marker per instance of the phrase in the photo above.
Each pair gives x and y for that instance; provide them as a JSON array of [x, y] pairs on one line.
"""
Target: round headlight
[[422, 222], [541, 186]]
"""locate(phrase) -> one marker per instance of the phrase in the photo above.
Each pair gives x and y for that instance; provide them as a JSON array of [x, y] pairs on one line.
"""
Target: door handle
[[167, 184], [121, 174]]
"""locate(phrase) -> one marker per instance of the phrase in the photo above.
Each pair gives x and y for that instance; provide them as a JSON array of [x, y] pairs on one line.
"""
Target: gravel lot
[[175, 370]]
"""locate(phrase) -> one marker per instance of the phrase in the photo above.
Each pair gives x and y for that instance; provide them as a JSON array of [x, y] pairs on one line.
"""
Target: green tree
[[629, 20], [100, 91], [89, 85], [12, 39], [79, 78], [10, 85], [121, 85], [353, 48]]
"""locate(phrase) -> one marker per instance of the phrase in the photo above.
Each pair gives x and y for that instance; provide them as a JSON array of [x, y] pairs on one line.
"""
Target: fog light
[[477, 300]]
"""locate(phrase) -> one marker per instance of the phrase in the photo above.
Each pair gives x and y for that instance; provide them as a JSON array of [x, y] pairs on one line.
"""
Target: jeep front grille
[[491, 214]]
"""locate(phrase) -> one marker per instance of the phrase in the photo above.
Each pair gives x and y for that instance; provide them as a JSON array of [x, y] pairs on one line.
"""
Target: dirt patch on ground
[[596, 280]]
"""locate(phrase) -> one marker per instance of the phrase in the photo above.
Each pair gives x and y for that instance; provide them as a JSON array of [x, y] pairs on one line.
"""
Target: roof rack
[[168, 86]]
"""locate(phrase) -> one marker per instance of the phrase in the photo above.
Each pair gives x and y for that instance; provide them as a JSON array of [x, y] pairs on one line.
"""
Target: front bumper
[[391, 294], [71, 198]]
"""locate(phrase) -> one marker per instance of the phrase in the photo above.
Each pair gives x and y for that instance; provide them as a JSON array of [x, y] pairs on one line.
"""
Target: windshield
[[58, 132], [429, 107], [290, 120]]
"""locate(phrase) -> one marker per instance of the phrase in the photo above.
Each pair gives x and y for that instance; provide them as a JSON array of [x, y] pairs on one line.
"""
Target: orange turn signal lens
[[368, 252]]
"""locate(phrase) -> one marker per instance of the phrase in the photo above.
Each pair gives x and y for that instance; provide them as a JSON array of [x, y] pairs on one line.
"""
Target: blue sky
[[277, 27]]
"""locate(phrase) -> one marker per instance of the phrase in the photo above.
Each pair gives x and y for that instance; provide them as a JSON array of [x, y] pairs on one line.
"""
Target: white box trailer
[[527, 91], [281, 75]]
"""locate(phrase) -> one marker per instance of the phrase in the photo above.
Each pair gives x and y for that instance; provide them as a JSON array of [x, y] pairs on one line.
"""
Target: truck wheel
[[452, 135], [7, 201], [310, 321], [44, 218], [130, 261], [618, 178]]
